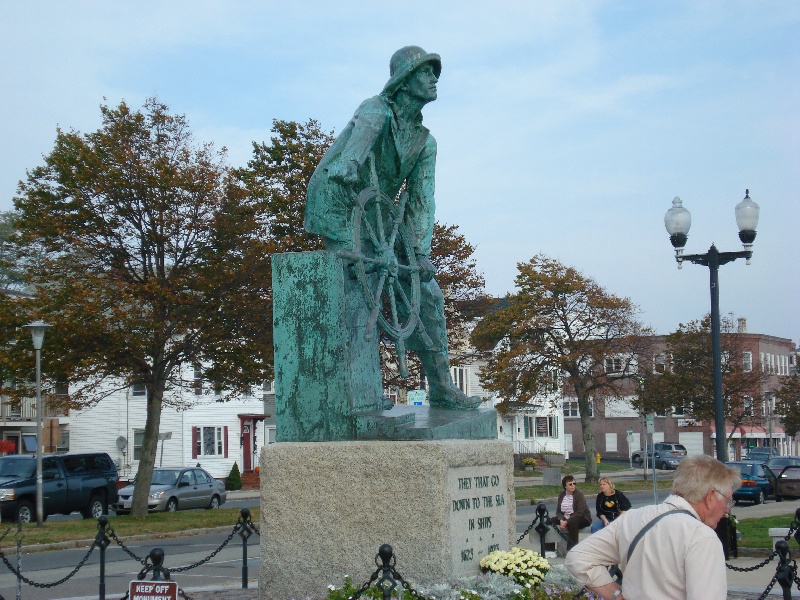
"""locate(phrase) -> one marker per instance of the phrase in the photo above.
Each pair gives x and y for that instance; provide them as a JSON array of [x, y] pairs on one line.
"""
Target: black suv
[[70, 482]]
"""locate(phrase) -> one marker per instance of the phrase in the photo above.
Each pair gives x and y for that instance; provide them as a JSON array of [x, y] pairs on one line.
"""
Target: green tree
[[687, 383], [234, 479], [788, 404], [555, 333], [152, 261], [11, 274]]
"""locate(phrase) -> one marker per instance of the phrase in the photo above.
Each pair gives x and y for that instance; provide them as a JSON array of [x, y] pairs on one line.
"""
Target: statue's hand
[[426, 269], [345, 172]]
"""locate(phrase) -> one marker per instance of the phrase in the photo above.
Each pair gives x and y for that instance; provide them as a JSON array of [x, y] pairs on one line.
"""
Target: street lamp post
[[678, 221], [37, 333]]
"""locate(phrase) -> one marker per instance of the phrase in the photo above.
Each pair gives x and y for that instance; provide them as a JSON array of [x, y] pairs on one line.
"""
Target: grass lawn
[[124, 526], [754, 532], [538, 492], [573, 466]]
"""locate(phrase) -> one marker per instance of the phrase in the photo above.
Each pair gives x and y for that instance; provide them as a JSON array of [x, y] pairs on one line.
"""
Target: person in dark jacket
[[572, 512], [610, 504]]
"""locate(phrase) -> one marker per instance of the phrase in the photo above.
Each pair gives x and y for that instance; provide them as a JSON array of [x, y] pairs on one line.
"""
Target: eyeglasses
[[729, 500], [571, 483]]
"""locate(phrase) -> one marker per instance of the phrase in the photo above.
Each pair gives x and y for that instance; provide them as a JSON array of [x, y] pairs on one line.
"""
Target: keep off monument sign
[[153, 590]]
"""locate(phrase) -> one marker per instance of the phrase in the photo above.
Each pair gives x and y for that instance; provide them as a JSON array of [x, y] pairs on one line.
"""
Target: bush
[[234, 479], [528, 462]]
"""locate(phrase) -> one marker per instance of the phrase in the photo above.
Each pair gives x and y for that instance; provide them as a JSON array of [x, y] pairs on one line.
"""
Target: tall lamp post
[[37, 333], [678, 221]]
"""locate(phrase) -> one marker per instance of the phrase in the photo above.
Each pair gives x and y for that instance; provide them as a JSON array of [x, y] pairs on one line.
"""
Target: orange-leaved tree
[[149, 258], [554, 333]]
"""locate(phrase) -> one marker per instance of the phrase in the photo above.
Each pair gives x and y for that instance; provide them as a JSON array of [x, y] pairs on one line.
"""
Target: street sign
[[651, 422], [153, 590], [417, 397]]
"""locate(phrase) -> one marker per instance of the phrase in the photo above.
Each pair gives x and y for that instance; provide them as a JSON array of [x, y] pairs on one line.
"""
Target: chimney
[[742, 328]]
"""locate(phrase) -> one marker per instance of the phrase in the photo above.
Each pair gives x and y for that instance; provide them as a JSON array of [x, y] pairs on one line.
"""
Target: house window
[[682, 409], [460, 378], [63, 445], [660, 363], [747, 406], [747, 361], [210, 442], [761, 360], [571, 409], [197, 384], [138, 440], [613, 364], [546, 426], [139, 389]]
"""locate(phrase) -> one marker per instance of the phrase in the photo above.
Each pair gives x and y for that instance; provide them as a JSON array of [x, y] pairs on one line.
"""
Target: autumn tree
[[687, 384], [11, 272], [556, 332], [788, 404], [152, 260]]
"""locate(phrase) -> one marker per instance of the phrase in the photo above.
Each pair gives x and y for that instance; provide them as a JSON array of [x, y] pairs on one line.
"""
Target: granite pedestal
[[326, 507]]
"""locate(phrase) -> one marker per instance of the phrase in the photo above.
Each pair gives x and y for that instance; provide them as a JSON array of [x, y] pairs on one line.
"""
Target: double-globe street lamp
[[37, 333], [678, 221]]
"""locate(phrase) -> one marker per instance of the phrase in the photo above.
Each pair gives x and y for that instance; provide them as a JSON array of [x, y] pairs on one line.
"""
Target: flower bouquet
[[526, 567]]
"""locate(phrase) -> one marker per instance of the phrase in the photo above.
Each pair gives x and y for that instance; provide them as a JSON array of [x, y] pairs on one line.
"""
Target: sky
[[564, 128]]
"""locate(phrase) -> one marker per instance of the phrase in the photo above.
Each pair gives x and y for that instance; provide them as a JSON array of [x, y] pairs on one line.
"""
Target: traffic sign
[[153, 590]]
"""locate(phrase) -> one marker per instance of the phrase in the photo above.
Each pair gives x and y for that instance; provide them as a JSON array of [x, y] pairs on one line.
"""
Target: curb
[[132, 538]]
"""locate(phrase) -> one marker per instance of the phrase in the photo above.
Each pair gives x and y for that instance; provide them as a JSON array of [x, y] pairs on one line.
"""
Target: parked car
[[758, 481], [777, 463], [762, 454], [172, 489], [788, 483], [70, 482], [676, 449], [664, 459]]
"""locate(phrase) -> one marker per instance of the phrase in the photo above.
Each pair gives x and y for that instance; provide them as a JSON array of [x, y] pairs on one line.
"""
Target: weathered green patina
[[372, 200]]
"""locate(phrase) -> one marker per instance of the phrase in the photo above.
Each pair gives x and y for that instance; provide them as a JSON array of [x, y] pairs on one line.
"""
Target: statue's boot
[[441, 390]]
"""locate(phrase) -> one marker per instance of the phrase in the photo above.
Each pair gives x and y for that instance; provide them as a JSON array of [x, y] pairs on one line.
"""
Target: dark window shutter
[[225, 435], [195, 438], [526, 421]]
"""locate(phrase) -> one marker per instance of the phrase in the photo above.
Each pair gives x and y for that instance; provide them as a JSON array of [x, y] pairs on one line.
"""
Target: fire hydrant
[[597, 457]]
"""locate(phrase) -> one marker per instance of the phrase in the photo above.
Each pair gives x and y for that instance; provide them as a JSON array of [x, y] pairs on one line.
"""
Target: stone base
[[326, 507]]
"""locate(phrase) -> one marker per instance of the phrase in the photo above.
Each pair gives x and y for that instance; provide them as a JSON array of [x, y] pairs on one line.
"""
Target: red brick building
[[618, 427]]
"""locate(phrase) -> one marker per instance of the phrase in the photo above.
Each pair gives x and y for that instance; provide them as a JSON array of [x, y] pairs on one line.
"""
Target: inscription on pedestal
[[478, 513]]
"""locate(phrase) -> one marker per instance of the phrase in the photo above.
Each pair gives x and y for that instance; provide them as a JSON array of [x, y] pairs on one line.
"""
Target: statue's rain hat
[[405, 61]]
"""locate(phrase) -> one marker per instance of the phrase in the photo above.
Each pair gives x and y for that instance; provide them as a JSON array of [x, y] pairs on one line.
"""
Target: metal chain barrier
[[386, 576], [30, 582], [113, 535]]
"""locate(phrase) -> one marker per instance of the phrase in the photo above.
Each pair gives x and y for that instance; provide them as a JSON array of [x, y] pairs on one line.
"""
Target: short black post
[[102, 541], [386, 582], [783, 574], [19, 557], [542, 528], [245, 531], [157, 558]]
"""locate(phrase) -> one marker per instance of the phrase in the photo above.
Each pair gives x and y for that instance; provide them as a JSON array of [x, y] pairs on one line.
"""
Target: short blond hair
[[609, 482], [697, 474]]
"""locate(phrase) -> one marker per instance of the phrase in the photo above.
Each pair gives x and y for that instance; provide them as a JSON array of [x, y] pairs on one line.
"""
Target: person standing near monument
[[386, 141]]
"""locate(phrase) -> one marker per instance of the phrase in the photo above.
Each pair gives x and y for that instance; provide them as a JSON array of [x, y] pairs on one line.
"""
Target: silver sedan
[[172, 489]]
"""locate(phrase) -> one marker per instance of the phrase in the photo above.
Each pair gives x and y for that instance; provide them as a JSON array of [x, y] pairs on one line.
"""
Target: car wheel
[[25, 512], [96, 508], [214, 504], [778, 498], [736, 502], [760, 498], [172, 505]]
